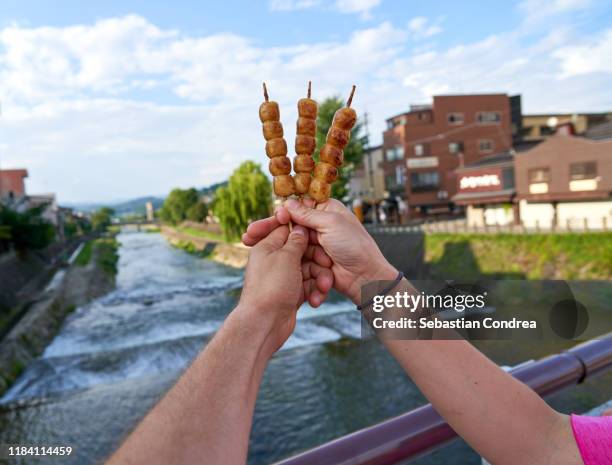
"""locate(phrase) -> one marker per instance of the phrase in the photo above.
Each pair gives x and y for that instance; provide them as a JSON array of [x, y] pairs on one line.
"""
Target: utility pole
[[370, 169]]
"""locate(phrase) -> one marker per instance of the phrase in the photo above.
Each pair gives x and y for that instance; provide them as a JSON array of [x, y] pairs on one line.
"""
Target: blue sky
[[115, 99]]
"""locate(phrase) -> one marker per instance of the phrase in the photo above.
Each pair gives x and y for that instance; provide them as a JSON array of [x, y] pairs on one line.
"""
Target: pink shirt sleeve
[[594, 438]]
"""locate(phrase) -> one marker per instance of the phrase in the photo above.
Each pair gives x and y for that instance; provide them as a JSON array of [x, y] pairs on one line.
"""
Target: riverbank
[[207, 244], [578, 256], [91, 275]]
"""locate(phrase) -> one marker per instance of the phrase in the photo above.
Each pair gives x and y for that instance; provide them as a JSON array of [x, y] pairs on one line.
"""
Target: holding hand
[[277, 280], [337, 238]]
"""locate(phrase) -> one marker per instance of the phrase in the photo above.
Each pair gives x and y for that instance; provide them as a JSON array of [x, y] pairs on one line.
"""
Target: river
[[115, 357]]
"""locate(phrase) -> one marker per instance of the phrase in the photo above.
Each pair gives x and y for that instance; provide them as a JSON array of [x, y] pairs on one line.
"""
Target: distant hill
[[212, 188], [137, 206], [128, 207]]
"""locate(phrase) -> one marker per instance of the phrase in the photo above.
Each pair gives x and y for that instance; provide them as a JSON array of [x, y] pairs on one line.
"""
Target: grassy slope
[[532, 256], [200, 233]]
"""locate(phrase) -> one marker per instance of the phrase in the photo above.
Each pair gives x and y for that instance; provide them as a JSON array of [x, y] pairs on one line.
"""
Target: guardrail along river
[[116, 356]]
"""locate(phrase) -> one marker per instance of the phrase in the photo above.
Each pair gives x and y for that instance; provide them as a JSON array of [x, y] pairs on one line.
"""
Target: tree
[[197, 212], [27, 230], [247, 197], [176, 205], [353, 152], [102, 219]]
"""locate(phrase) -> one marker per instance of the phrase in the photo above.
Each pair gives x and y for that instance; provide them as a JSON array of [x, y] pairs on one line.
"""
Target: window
[[455, 118], [395, 153], [488, 117], [390, 182], [485, 145], [399, 175], [401, 121], [585, 170], [508, 178], [426, 181], [455, 147], [539, 175], [419, 150]]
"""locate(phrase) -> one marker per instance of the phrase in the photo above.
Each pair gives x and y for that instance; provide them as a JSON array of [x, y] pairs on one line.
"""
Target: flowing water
[[114, 358]]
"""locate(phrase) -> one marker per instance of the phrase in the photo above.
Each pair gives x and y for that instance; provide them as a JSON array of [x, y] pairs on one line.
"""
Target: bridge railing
[[422, 430]]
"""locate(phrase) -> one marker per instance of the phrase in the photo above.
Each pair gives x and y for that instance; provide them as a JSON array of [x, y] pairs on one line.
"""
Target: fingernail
[[301, 230], [292, 204]]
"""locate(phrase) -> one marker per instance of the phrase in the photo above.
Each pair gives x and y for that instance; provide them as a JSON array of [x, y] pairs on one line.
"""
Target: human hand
[[275, 284], [356, 259], [318, 280]]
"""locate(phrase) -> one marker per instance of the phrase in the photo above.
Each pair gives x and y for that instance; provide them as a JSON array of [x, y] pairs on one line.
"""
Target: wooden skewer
[[350, 99], [265, 92]]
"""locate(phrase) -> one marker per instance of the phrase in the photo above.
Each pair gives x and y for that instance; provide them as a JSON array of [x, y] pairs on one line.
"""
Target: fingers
[[309, 217], [323, 277], [259, 229], [312, 294], [297, 242], [276, 239], [318, 255]]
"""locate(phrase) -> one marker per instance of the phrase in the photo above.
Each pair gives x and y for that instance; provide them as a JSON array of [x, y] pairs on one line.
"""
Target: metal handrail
[[422, 430]]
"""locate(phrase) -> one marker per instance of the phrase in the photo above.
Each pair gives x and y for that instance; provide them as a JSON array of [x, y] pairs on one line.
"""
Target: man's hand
[[335, 234], [277, 281]]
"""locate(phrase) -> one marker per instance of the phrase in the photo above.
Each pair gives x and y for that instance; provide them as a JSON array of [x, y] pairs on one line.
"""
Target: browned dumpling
[[332, 155], [276, 147]]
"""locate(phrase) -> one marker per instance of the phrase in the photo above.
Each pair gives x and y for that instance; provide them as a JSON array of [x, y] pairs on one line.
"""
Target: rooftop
[[602, 131]]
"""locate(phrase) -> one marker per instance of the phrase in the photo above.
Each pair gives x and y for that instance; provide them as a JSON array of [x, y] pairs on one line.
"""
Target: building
[[486, 189], [543, 125], [150, 212], [601, 131], [368, 180], [12, 184], [565, 181], [423, 147]]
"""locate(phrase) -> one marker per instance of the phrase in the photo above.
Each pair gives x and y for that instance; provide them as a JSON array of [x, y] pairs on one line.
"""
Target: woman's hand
[[355, 257]]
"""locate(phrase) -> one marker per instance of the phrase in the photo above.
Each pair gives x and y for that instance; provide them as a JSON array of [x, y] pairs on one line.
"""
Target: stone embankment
[[235, 255], [45, 312]]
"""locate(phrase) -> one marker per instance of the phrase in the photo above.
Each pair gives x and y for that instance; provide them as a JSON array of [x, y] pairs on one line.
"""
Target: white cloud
[[536, 10], [421, 27], [591, 57], [121, 108], [289, 5], [361, 7]]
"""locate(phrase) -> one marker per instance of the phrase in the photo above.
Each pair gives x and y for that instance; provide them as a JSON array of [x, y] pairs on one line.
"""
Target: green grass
[[200, 233], [532, 256], [106, 254], [84, 256]]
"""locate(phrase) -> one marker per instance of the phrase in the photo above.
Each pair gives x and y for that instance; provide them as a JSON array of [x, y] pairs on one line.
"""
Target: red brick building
[[424, 146], [12, 183]]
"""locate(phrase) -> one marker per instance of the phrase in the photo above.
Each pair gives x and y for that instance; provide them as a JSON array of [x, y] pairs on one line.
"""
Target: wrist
[[382, 272], [258, 325]]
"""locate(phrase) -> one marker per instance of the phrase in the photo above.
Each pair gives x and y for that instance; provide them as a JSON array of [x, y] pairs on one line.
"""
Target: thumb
[[309, 217], [297, 242]]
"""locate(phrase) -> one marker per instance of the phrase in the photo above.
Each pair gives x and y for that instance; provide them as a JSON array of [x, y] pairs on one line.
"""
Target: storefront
[[486, 189]]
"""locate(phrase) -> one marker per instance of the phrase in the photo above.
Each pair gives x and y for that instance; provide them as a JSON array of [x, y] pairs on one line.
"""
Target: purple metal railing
[[422, 430]]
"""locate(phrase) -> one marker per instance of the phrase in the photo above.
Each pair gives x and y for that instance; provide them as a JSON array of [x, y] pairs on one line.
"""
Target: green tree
[[353, 152], [176, 205], [102, 219], [247, 197], [27, 230], [197, 212]]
